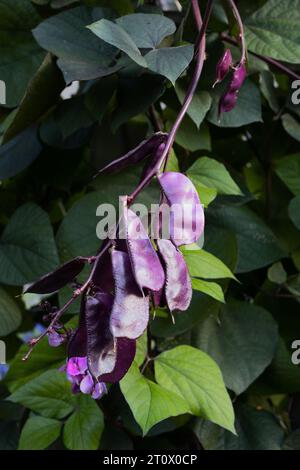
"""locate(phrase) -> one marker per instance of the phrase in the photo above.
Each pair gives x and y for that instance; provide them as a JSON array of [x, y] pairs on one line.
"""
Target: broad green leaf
[[170, 62], [39, 97], [10, 315], [195, 377], [288, 170], [267, 86], [48, 394], [84, 428], [204, 264], [257, 245], [150, 403], [256, 430], [200, 308], [246, 111], [20, 55], [115, 35], [19, 153], [206, 194], [147, 30], [294, 211], [191, 138], [277, 273], [273, 30], [27, 247], [39, 433], [291, 125], [209, 288], [214, 175], [43, 359], [81, 55], [252, 346], [141, 349], [199, 106]]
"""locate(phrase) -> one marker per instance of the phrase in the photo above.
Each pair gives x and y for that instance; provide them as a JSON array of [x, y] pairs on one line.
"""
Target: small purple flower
[[223, 66], [56, 339], [81, 379]]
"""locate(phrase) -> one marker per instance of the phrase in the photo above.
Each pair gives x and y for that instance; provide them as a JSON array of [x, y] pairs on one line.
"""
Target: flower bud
[[238, 77]]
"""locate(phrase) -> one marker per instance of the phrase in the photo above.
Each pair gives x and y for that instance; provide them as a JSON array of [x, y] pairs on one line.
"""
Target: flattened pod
[[145, 148], [130, 312], [108, 359], [187, 215], [146, 265], [58, 278], [178, 289]]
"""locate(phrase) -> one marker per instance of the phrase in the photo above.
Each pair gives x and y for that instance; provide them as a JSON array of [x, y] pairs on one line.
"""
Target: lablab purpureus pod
[[223, 66]]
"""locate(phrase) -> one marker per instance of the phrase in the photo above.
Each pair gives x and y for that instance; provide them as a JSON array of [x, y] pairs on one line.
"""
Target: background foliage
[[244, 315]]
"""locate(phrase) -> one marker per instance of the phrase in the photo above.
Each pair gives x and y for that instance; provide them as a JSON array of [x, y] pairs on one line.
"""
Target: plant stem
[[241, 27], [267, 60]]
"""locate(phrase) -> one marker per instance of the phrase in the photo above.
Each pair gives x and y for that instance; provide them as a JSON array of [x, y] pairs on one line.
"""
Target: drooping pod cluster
[[225, 65], [135, 270]]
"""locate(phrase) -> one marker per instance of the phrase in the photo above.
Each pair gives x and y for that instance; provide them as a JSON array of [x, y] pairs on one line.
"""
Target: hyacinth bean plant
[[126, 277], [162, 323]]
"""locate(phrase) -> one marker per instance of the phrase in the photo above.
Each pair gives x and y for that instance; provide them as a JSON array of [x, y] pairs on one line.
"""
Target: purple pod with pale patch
[[223, 66], [146, 265], [109, 358], [130, 312], [136, 155], [238, 78], [58, 278], [178, 287], [186, 211]]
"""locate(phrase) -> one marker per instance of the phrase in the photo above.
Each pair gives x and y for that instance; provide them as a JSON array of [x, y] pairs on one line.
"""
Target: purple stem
[[241, 27], [267, 60]]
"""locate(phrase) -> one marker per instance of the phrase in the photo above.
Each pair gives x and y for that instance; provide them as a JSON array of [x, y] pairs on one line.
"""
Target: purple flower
[[56, 339], [82, 380]]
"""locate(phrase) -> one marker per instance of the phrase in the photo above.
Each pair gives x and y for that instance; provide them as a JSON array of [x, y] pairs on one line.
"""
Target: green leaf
[[141, 349], [292, 441], [147, 30], [213, 174], [256, 430], [39, 97], [191, 138], [291, 125], [277, 273], [20, 55], [83, 430], [116, 36], [201, 307], [294, 211], [48, 394], [210, 288], [257, 245], [204, 264], [199, 106], [273, 30], [27, 247], [43, 359], [170, 62], [9, 435], [10, 315], [19, 153], [252, 346], [195, 377], [150, 403], [39, 433], [288, 170], [81, 55], [206, 195], [246, 111]]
